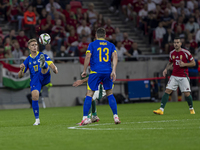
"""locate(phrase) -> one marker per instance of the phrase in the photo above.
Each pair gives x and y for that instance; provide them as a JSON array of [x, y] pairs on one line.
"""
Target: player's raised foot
[[158, 111], [116, 119], [42, 61], [192, 111], [85, 121], [95, 119], [37, 122]]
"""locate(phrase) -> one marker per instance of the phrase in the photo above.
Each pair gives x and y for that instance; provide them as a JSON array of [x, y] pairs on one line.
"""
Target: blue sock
[[87, 105], [35, 109], [45, 66], [113, 104]]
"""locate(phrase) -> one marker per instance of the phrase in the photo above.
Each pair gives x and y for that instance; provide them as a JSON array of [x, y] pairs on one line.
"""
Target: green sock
[[189, 101], [89, 113], [94, 113], [100, 92], [164, 100]]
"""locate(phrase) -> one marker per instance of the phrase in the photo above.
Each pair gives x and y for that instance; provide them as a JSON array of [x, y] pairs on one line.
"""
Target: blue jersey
[[100, 61], [33, 64]]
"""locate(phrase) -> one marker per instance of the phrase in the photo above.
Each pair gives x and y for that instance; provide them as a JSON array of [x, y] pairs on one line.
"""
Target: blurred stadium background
[[142, 31]]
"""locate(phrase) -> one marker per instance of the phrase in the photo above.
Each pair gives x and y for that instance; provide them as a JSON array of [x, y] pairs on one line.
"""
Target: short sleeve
[[48, 59], [113, 48], [26, 61], [190, 58], [89, 49]]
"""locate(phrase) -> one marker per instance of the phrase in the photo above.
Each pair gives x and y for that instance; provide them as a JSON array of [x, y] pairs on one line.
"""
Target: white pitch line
[[90, 125]]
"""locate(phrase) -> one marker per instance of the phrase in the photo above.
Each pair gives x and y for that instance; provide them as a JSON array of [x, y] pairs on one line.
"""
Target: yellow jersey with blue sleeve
[[101, 51], [100, 64], [37, 79]]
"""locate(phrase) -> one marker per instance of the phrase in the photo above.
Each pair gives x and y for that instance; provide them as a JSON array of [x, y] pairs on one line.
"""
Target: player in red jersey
[[181, 59]]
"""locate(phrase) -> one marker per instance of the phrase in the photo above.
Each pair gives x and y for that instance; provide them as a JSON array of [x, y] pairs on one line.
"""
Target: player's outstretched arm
[[54, 68], [79, 82], [115, 60], [21, 73], [86, 63]]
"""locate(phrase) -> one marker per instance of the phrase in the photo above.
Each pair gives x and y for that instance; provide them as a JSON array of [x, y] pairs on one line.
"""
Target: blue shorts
[[95, 79], [38, 81]]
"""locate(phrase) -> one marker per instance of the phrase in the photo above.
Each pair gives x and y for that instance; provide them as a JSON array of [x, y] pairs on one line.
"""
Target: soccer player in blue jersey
[[99, 56], [38, 65]]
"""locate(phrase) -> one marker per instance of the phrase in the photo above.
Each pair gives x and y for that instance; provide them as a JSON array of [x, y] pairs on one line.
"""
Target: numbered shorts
[[96, 93], [95, 79], [182, 82], [40, 80]]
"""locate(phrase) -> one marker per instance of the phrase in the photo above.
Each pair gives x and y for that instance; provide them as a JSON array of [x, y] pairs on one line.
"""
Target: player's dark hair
[[101, 32], [177, 38]]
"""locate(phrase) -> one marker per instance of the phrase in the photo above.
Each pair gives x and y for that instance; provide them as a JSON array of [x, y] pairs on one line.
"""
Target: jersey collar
[[35, 56], [100, 39]]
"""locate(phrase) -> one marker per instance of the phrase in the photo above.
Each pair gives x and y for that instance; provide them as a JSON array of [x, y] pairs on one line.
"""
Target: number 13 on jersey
[[106, 51]]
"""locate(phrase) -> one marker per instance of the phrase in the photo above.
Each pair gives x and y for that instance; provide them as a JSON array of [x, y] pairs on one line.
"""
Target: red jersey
[[1, 55], [14, 11], [22, 41], [72, 22], [72, 39], [82, 45], [44, 22], [127, 44], [109, 30], [138, 6], [193, 44], [175, 57], [176, 1]]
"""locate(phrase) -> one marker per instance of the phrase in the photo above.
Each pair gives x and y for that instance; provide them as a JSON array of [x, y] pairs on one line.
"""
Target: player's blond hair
[[31, 40]]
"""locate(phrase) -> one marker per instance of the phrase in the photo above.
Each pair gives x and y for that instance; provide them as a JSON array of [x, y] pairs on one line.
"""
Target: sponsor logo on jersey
[[173, 57], [34, 62], [103, 43]]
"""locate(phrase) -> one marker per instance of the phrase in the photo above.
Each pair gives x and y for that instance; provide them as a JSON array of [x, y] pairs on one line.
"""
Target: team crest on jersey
[[181, 57], [34, 62], [173, 57], [29, 63]]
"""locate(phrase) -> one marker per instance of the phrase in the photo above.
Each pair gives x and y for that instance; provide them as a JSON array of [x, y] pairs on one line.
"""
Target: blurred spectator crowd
[[70, 26], [163, 20]]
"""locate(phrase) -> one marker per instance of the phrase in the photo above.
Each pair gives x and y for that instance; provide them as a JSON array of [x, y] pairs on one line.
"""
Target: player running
[[99, 55], [181, 60], [38, 65], [97, 96]]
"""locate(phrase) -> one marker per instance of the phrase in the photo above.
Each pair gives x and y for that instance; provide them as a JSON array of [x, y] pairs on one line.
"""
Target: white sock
[[37, 120], [191, 108], [84, 117], [161, 108], [115, 115]]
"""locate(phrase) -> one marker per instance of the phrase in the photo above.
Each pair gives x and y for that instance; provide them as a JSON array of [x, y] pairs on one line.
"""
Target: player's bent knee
[[109, 92], [35, 95], [187, 94], [90, 93], [168, 91]]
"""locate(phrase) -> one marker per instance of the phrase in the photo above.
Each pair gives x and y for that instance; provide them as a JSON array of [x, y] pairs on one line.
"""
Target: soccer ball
[[44, 39]]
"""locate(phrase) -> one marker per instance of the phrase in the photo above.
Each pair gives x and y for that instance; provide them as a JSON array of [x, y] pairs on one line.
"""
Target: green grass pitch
[[140, 129]]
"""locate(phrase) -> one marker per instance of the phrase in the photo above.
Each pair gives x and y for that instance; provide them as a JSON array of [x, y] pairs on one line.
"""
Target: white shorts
[[182, 82], [96, 94]]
